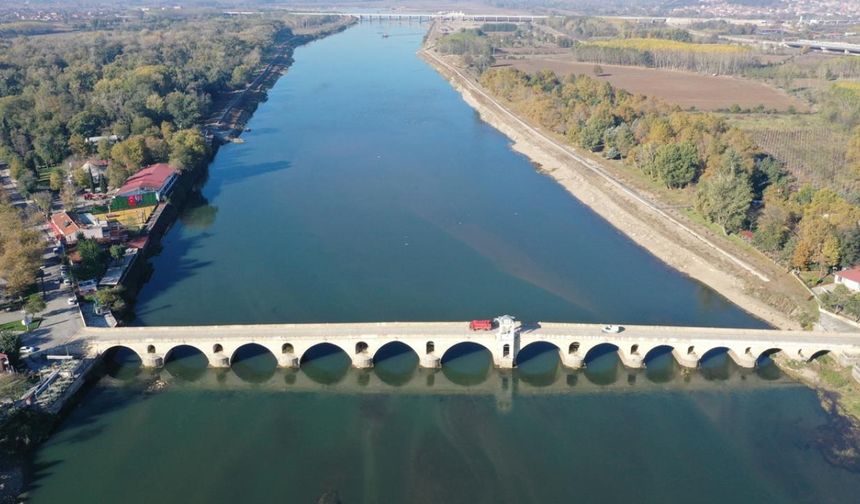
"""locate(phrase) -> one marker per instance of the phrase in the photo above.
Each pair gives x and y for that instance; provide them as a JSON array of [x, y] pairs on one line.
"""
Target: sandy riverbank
[[679, 244]]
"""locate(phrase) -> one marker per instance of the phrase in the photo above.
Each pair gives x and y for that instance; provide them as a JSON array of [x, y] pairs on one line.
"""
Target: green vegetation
[[150, 83], [10, 344], [20, 250], [17, 326], [472, 45], [23, 429], [841, 300], [91, 263], [801, 226]]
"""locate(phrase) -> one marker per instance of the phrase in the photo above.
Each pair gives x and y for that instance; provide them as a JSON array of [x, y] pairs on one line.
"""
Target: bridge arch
[[657, 352], [114, 350], [463, 348], [599, 350], [818, 354], [186, 362], [767, 353], [253, 362], [217, 348], [325, 363], [176, 351], [395, 363], [322, 349], [534, 349]]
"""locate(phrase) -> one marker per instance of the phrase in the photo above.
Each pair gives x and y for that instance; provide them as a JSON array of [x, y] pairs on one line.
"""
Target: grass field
[[685, 89], [812, 150], [653, 44], [17, 326]]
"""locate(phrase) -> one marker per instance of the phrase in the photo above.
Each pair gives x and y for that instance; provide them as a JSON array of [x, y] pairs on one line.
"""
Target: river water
[[368, 190]]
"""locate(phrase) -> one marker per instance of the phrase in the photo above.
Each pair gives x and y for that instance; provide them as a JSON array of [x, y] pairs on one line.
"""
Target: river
[[368, 190]]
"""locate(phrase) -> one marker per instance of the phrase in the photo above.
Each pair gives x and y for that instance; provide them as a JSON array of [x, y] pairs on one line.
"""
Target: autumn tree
[[43, 200], [724, 198], [20, 251]]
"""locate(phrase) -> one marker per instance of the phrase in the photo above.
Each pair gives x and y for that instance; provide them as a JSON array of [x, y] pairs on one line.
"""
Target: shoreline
[[642, 221]]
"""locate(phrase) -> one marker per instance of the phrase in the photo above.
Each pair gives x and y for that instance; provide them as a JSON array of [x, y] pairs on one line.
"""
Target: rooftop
[[151, 178], [850, 274], [64, 224]]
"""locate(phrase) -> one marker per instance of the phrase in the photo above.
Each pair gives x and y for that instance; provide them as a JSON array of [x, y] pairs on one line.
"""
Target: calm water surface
[[367, 190]]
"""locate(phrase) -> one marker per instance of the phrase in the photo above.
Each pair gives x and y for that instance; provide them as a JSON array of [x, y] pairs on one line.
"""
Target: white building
[[850, 278]]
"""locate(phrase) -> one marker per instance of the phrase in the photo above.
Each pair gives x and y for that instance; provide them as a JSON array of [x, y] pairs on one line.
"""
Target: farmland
[[685, 89], [813, 151], [653, 44]]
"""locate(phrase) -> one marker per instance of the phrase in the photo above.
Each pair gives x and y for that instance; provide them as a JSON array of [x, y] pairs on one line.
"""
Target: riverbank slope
[[743, 276]]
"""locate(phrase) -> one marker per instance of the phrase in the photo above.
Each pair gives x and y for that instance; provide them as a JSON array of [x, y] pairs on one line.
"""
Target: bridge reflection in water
[[470, 373]]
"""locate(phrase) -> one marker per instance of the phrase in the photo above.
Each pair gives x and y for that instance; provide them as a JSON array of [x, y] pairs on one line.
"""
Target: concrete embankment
[[676, 243]]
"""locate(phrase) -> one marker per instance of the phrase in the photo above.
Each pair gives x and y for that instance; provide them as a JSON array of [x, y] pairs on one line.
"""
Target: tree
[[43, 201], [35, 304], [69, 197], [91, 264], [188, 149], [131, 153], [82, 179], [10, 344], [677, 164], [20, 251], [79, 146], [56, 179], [117, 252], [725, 197]]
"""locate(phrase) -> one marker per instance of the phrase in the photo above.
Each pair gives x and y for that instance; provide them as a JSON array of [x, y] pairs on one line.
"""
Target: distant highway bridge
[[824, 46], [416, 16], [575, 343]]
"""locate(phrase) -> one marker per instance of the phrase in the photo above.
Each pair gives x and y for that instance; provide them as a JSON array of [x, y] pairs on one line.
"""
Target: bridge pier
[[218, 360], [632, 359], [151, 360], [688, 359], [362, 360], [744, 358], [430, 361], [288, 360], [571, 360]]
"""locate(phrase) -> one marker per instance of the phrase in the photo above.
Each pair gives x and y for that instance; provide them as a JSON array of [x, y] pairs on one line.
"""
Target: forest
[[734, 185], [133, 95]]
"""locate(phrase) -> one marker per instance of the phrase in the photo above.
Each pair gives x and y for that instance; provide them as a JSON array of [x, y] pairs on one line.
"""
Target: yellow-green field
[[650, 44]]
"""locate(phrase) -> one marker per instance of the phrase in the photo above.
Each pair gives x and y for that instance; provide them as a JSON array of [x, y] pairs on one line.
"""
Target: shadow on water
[[467, 364], [198, 213], [602, 364], [254, 363], [227, 176], [716, 364], [122, 363], [539, 364], [325, 363], [660, 365], [395, 363], [186, 363]]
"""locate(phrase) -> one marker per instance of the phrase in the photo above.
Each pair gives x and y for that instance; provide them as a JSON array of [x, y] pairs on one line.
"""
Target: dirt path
[[745, 282]]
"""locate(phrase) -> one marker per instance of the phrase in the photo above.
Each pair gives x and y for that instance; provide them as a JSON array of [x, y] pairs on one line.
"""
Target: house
[[68, 227], [158, 179], [96, 139], [850, 278], [97, 168]]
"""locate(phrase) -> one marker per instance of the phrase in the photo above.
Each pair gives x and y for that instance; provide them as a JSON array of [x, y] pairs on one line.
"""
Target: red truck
[[481, 325]]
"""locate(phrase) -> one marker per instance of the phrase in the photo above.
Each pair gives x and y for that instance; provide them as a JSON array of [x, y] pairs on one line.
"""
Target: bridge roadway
[[289, 343]]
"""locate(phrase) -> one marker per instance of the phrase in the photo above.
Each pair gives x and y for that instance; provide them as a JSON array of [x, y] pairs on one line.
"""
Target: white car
[[26, 350], [72, 301], [612, 329]]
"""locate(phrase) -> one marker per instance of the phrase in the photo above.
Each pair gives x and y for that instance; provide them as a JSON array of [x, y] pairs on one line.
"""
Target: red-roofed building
[[849, 278], [68, 227], [158, 178]]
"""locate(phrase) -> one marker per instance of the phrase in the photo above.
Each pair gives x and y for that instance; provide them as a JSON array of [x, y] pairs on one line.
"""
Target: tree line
[[735, 185]]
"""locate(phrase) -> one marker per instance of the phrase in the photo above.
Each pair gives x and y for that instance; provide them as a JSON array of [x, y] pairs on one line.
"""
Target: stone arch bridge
[[289, 343]]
